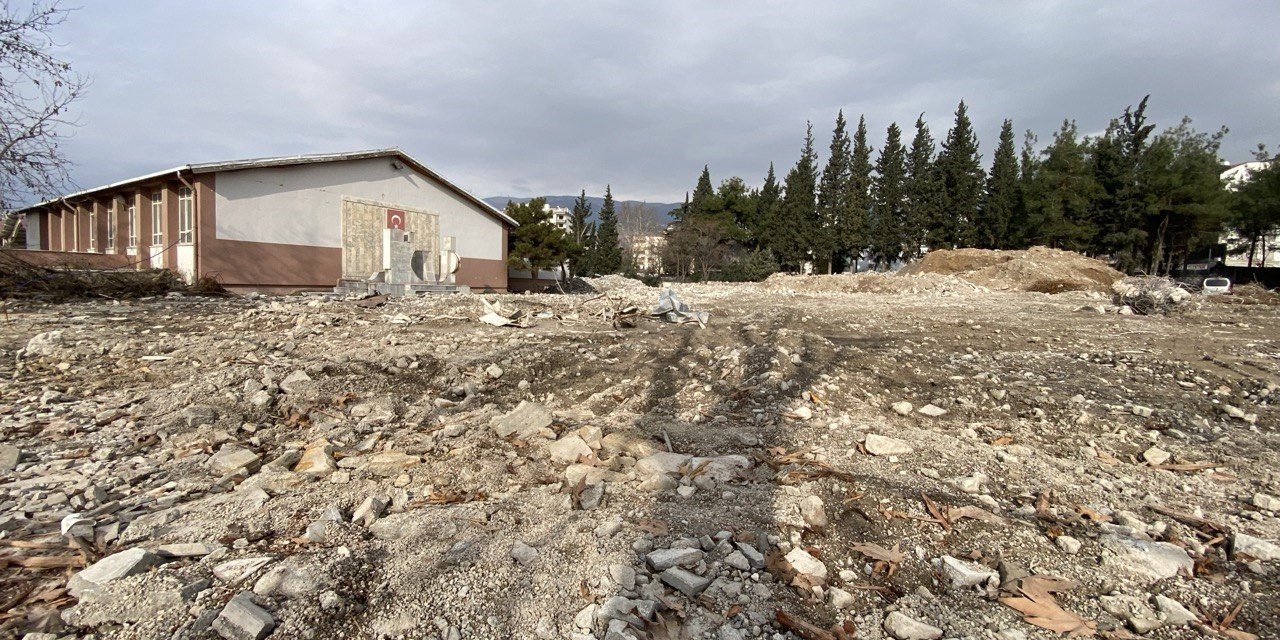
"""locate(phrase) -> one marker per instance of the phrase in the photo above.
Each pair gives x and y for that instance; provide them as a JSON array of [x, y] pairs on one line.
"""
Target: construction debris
[[1149, 295]]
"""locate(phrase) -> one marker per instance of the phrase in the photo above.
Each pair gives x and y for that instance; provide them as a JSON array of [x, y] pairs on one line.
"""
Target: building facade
[[285, 224]]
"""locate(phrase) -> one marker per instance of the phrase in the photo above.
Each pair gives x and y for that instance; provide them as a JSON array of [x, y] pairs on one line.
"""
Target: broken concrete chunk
[[241, 619], [1155, 456], [231, 458], [878, 445], [932, 411], [664, 559], [9, 457], [317, 460], [813, 512], [903, 408], [904, 628], [806, 564], [568, 450], [371, 509], [113, 567], [1149, 560], [523, 554], [1256, 548], [390, 463], [686, 582], [235, 571], [526, 421], [960, 573]]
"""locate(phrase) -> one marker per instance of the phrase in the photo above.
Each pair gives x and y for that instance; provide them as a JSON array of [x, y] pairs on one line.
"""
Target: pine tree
[[923, 192], [962, 177], [1020, 229], [537, 243], [853, 234], [578, 228], [1060, 201], [834, 205], [1000, 200], [798, 212], [888, 200], [1124, 203], [608, 253]]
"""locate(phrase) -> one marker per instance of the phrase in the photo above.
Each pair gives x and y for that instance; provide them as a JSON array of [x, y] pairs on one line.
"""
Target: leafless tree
[[635, 221], [36, 90]]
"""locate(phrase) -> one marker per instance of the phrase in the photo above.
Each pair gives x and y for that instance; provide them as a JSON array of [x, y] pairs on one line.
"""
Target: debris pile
[[871, 282], [1038, 269], [1147, 295]]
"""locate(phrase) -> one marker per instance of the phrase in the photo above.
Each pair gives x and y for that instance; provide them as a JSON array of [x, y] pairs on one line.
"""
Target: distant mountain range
[[661, 211]]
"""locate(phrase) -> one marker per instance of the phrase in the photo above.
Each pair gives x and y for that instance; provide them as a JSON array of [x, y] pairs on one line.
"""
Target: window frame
[[132, 225], [157, 218], [111, 226], [93, 227], [186, 215]]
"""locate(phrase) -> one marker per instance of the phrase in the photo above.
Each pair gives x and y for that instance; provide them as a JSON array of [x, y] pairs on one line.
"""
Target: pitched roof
[[288, 161]]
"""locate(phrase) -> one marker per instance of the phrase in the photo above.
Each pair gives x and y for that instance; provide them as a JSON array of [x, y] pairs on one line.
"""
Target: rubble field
[[931, 460]]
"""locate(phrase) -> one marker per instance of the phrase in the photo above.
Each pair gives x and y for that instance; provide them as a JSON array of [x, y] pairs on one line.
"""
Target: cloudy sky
[[538, 97]]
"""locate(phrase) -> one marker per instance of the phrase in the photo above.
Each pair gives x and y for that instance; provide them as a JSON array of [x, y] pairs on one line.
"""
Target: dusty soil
[[1037, 269], [1049, 406]]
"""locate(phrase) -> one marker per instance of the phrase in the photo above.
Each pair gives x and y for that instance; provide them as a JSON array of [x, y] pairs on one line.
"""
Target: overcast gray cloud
[[531, 98]]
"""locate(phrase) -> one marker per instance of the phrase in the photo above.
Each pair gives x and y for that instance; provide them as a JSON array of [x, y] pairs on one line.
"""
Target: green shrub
[[752, 267]]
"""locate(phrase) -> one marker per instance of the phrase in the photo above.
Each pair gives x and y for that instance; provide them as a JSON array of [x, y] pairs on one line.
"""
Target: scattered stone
[[1147, 559], [932, 411], [686, 582], [1175, 615], [187, 550], [9, 457], [878, 445], [524, 554], [1142, 412], [371, 509], [806, 564], [527, 420], [317, 460], [241, 619], [291, 381], [1068, 544], [1155, 456], [813, 512], [239, 570], [113, 567], [231, 458], [568, 450], [388, 464], [840, 599], [903, 628], [902, 408], [1256, 548], [664, 559], [493, 371], [1260, 500], [960, 573]]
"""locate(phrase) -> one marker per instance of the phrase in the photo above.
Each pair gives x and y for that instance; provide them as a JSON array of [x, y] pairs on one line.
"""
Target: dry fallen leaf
[[877, 552], [975, 513], [1034, 600]]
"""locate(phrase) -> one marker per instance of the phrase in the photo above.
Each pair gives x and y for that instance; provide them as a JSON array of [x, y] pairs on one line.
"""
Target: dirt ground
[[1135, 456]]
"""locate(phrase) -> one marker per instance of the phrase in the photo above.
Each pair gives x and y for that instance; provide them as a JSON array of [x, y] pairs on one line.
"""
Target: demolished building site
[[1000, 445]]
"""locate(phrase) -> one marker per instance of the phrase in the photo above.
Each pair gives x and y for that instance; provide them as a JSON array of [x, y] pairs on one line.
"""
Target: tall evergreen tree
[[536, 243], [766, 222], [923, 192], [853, 233], [1000, 200], [888, 200], [1060, 199], [798, 212], [608, 253], [578, 236], [834, 201], [1182, 169], [702, 193], [1124, 202], [1256, 212], [962, 177], [1020, 229]]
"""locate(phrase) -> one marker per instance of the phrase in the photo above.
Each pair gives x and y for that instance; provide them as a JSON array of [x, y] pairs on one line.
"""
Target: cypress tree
[[834, 205], [853, 235], [1060, 201], [608, 254], [1020, 230], [798, 213], [1123, 203], [923, 192], [578, 236], [962, 177], [1001, 196], [764, 230], [888, 200], [702, 193]]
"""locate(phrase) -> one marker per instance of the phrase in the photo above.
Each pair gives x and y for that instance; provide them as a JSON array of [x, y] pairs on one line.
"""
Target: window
[[93, 227], [132, 211], [111, 227], [157, 218], [186, 216]]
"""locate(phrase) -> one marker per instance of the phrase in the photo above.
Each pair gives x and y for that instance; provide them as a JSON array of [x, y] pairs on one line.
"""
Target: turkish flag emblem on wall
[[395, 219]]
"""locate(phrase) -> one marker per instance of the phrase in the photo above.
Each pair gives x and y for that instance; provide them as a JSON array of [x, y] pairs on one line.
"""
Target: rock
[[524, 554], [291, 381], [738, 561], [1156, 455], [1141, 411], [902, 408], [878, 445], [1175, 615], [960, 573], [623, 575], [43, 344], [568, 450], [904, 628], [802, 413], [113, 567], [662, 463], [236, 571], [1260, 500], [813, 512], [1150, 560], [840, 599], [752, 554], [493, 371], [1068, 544], [9, 457], [664, 559], [932, 411], [186, 550], [317, 460], [527, 420], [241, 619], [285, 580], [686, 582], [1256, 548], [231, 458], [371, 509], [806, 564], [587, 474], [390, 463]]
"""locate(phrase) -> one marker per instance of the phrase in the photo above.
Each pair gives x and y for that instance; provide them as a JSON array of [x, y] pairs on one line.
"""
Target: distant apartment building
[[560, 216], [646, 252], [1267, 252]]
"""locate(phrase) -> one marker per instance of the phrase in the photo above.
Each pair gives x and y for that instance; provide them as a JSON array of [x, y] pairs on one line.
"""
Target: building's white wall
[[302, 205], [33, 231]]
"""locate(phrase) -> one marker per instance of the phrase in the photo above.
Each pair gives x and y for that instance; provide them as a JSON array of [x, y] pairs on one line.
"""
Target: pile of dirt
[[1036, 269], [870, 282], [1250, 293]]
